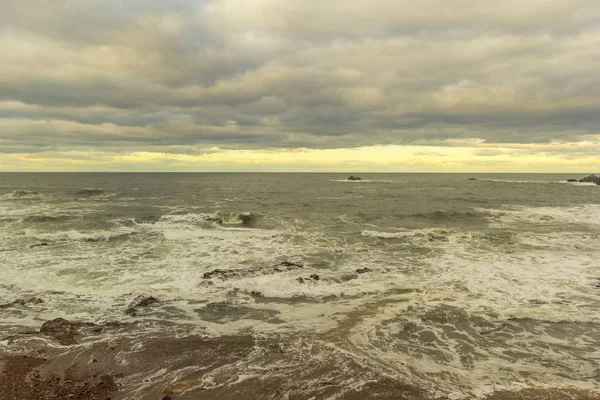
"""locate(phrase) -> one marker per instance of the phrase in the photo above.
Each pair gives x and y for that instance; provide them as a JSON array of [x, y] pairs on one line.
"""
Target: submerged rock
[[22, 302], [472, 179], [353, 178], [571, 180], [591, 179], [363, 270], [61, 330], [141, 302]]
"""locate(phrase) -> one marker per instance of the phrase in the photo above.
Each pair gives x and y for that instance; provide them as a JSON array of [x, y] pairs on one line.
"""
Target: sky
[[310, 85]]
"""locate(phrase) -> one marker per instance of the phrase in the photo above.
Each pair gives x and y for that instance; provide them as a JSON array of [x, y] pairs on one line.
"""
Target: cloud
[[181, 76]]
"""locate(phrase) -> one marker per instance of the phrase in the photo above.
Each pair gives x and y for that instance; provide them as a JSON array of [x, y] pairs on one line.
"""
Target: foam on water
[[496, 298], [588, 214]]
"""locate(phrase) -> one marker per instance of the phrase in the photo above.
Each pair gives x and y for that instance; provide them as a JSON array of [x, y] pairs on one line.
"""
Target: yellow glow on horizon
[[470, 157]]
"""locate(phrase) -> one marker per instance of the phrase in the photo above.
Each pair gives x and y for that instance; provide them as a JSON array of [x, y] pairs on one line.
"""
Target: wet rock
[[234, 273], [22, 302], [63, 331], [410, 327], [348, 277], [363, 270], [591, 179], [353, 178], [287, 266], [472, 179], [312, 278], [39, 245], [141, 302], [256, 293], [571, 180]]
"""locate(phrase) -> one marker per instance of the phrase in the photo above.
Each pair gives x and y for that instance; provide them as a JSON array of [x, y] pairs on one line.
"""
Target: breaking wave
[[46, 218], [20, 194], [89, 192]]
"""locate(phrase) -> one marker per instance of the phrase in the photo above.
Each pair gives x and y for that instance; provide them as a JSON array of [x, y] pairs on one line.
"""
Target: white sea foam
[[588, 214], [504, 273]]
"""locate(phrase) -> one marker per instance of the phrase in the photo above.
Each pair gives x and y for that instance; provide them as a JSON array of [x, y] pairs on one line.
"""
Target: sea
[[462, 285]]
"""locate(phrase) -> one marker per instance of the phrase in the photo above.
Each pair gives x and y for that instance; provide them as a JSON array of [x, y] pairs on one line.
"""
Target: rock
[[61, 330], [225, 274], [348, 277], [591, 179], [287, 266], [363, 270], [472, 179], [39, 244], [571, 180], [312, 278], [141, 302], [353, 178], [22, 302]]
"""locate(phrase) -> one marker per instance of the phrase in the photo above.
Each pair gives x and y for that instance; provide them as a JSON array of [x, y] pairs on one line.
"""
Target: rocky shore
[[73, 360]]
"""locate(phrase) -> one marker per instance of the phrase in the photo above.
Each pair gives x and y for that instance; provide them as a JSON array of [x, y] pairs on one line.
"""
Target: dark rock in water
[[225, 274], [312, 278], [39, 244], [287, 266], [353, 178], [363, 270], [22, 302], [256, 293], [142, 302], [62, 330], [591, 179], [348, 277], [571, 180], [472, 179]]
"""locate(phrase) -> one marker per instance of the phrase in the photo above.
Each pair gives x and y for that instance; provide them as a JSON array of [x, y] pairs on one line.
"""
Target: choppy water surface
[[459, 286]]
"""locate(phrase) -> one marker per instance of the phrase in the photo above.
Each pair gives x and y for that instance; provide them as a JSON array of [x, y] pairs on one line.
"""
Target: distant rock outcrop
[[591, 179], [571, 180], [353, 178]]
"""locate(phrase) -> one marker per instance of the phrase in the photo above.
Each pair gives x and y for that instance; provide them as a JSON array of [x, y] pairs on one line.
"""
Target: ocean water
[[463, 287]]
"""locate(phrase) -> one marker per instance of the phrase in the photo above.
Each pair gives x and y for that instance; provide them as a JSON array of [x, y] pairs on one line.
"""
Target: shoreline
[[146, 366]]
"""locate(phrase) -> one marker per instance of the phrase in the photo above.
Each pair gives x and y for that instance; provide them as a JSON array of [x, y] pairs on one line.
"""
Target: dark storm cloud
[[157, 76]]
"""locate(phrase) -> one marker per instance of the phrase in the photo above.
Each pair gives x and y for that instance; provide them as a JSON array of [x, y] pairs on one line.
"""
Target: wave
[[20, 194], [586, 214], [432, 235], [77, 236], [443, 215], [221, 218], [46, 218], [246, 218], [579, 183], [89, 192]]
